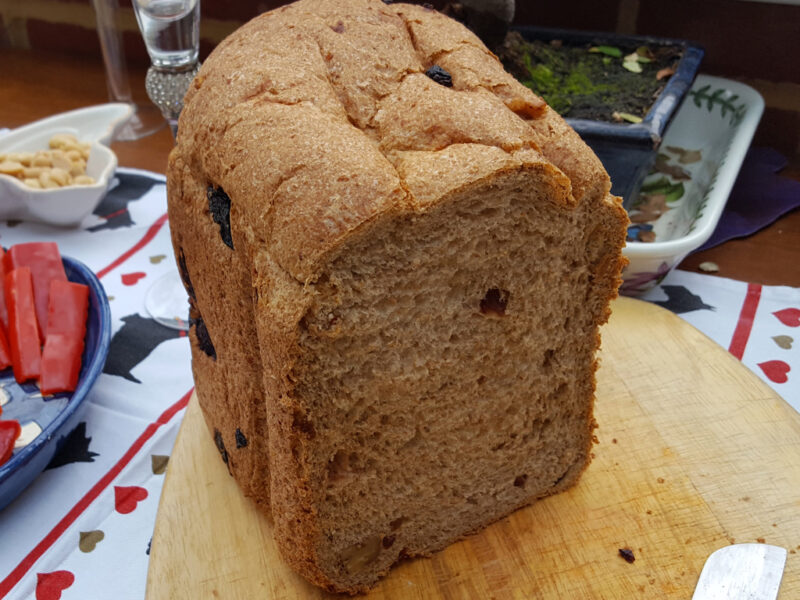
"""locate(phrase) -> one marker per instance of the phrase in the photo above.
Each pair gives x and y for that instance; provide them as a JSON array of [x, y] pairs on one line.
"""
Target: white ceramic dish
[[683, 197], [65, 206]]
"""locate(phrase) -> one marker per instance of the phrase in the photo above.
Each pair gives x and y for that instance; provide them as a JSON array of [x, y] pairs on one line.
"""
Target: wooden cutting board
[[694, 453]]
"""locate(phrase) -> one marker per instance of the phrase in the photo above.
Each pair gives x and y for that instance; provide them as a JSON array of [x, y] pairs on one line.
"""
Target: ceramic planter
[[684, 195], [628, 150]]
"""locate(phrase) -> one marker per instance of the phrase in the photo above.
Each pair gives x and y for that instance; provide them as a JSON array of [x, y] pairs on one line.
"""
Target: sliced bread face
[[443, 377]]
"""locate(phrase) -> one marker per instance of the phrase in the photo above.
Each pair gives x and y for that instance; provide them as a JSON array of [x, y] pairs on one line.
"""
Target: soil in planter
[[590, 82]]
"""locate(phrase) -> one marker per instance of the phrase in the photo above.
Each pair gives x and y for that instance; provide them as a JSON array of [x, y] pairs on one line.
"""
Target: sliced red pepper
[[44, 261], [67, 310], [23, 332], [66, 328], [61, 363], [10, 430], [5, 351], [3, 309]]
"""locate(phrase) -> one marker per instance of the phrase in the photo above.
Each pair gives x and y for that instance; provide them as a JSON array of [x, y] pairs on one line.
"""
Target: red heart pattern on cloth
[[126, 498], [776, 370], [133, 278], [50, 585], [789, 316]]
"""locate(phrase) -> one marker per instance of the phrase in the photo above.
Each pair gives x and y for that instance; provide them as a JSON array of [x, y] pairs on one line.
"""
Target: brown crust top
[[312, 108]]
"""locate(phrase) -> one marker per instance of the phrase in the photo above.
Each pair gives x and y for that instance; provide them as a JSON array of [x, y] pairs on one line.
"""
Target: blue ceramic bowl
[[56, 415], [628, 150]]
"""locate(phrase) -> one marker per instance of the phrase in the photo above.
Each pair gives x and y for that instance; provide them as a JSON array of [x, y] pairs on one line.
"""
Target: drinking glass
[[145, 119], [171, 32], [170, 29]]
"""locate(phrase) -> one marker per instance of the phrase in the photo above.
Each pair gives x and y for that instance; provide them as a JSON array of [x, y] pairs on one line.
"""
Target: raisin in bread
[[398, 259]]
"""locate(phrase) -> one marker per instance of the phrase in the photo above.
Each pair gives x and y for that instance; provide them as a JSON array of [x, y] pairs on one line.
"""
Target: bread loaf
[[398, 259]]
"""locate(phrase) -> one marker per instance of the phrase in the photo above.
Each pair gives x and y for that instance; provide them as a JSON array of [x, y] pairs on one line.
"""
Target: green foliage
[[632, 66], [611, 51], [588, 82], [628, 117], [563, 82]]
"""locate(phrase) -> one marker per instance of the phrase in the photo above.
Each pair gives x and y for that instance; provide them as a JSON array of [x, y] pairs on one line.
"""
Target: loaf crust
[[317, 125]]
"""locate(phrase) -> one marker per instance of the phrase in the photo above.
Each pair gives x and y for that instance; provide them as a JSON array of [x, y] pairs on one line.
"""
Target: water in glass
[[170, 29]]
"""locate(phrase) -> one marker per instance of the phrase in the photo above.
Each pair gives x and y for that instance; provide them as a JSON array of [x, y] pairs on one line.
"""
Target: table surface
[[36, 85]]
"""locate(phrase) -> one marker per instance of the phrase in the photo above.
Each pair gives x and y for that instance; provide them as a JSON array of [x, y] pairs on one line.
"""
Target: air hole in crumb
[[414, 442], [301, 423], [548, 357], [395, 525], [481, 380], [358, 557], [342, 466], [519, 480], [495, 302], [388, 541]]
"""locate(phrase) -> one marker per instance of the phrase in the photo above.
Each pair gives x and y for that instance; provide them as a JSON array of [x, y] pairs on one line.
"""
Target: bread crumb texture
[[396, 277]]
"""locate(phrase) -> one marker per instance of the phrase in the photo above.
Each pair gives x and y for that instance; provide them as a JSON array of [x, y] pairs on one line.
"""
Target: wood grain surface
[[694, 453]]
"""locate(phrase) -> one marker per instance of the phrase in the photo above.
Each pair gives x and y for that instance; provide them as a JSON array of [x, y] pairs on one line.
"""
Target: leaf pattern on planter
[[722, 98]]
